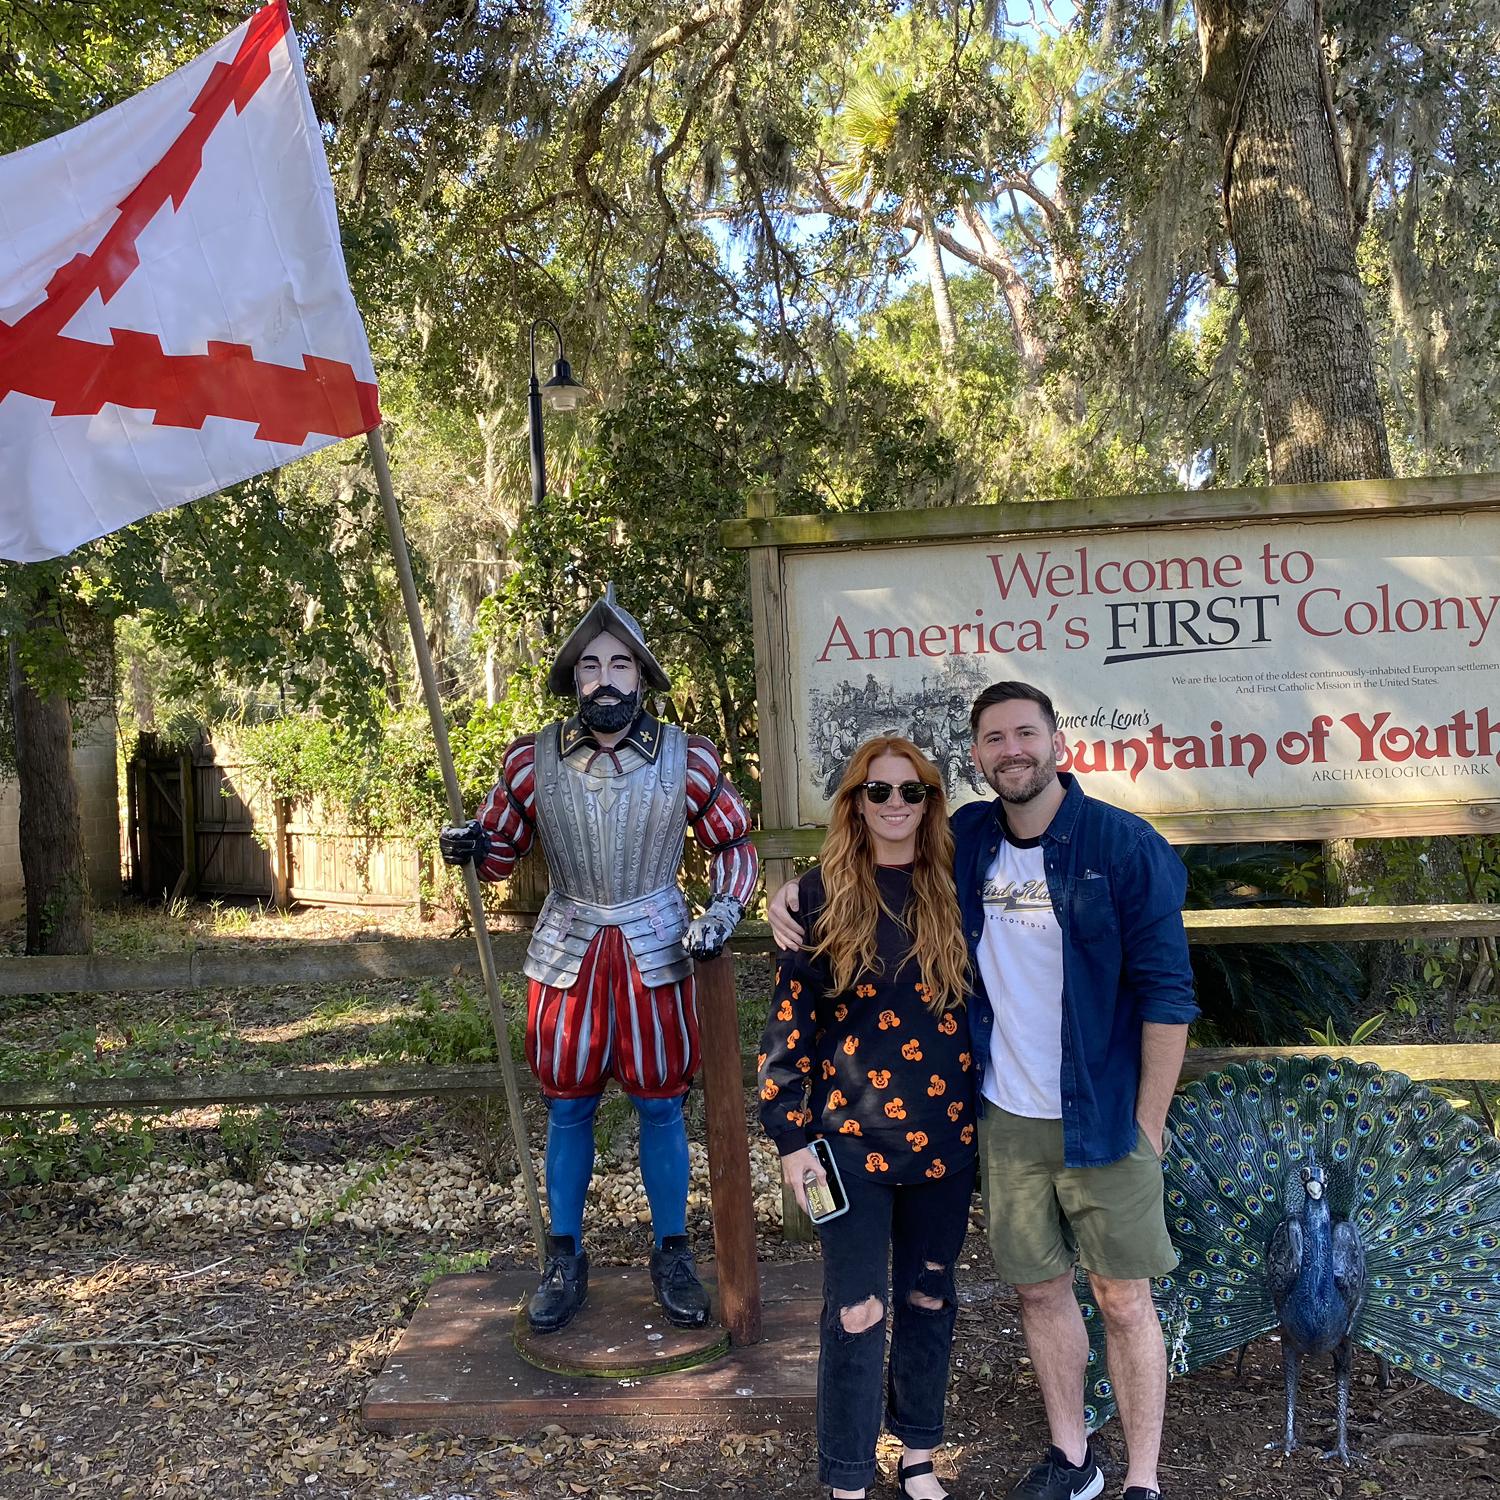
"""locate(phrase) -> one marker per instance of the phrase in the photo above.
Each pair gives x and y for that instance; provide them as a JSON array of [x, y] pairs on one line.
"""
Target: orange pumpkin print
[[875, 1162], [966, 1135], [937, 1168], [879, 1077], [949, 1024], [936, 1086], [955, 1109], [793, 1036], [964, 1059], [865, 991], [769, 1090], [795, 1116], [836, 1099], [925, 991], [804, 1065], [851, 1044], [912, 1050], [916, 1139], [889, 1019], [796, 988], [777, 979], [850, 1127], [841, 1012], [896, 1108], [760, 1061], [828, 1069], [784, 1011]]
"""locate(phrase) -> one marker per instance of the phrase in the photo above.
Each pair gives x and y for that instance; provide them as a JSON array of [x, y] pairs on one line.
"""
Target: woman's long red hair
[[845, 929]]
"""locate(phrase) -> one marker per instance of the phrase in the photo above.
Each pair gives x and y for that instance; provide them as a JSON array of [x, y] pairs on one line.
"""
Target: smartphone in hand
[[826, 1200]]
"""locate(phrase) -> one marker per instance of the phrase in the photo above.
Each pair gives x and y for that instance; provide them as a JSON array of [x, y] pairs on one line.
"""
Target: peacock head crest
[[1313, 1181]]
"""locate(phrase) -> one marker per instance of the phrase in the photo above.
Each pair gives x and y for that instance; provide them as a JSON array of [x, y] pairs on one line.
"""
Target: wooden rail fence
[[427, 958], [1469, 1062], [342, 963]]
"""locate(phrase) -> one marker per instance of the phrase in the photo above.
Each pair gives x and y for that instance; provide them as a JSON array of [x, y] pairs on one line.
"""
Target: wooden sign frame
[[769, 537]]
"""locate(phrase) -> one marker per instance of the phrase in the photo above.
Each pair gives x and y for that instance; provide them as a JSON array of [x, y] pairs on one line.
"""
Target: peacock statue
[[1339, 1204]]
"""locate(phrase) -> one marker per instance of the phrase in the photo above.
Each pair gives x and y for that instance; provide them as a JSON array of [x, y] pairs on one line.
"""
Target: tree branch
[[591, 126]]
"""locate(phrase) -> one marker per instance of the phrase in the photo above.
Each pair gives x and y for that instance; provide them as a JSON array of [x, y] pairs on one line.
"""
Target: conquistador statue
[[610, 793]]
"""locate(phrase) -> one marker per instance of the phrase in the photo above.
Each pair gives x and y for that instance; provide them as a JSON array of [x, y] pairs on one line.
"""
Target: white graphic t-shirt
[[1020, 959]]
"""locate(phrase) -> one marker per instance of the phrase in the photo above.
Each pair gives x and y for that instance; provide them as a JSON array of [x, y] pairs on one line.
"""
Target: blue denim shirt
[[1117, 888]]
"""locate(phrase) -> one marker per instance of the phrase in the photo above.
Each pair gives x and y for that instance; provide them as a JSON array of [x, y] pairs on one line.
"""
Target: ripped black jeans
[[895, 1240]]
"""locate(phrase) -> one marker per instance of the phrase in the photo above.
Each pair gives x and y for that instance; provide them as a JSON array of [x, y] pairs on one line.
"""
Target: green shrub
[[251, 1140], [447, 1035], [57, 1147], [1264, 993]]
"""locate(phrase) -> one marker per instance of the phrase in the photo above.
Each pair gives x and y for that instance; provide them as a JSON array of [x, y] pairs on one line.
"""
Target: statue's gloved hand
[[463, 844], [707, 936]]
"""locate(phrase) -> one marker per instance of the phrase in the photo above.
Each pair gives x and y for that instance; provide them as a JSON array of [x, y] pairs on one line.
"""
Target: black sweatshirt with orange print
[[890, 1084]]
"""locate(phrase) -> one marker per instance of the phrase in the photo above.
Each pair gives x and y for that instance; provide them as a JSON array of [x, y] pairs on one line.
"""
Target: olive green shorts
[[1042, 1215]]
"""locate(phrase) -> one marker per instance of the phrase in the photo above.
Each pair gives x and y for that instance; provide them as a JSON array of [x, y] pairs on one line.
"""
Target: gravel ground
[[190, 1335], [210, 1328]]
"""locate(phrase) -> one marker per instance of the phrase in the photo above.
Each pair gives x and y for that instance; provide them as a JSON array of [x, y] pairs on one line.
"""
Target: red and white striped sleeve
[[508, 813], [721, 823]]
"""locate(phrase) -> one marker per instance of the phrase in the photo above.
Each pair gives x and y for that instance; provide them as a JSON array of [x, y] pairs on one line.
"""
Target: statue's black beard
[[607, 711]]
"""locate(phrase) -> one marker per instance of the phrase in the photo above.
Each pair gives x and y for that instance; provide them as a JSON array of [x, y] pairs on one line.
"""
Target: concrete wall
[[98, 791]]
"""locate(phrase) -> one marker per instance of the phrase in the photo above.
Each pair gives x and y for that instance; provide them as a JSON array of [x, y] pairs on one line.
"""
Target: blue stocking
[[570, 1162], [664, 1164]]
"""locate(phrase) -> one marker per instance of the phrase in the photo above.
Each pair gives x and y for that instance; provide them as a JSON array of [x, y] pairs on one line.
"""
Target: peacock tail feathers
[[1419, 1181]]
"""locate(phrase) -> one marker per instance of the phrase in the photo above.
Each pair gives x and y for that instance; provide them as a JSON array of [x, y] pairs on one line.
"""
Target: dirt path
[[182, 1360]]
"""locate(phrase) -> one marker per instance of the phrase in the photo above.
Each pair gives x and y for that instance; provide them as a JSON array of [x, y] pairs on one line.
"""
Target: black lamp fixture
[[561, 393]]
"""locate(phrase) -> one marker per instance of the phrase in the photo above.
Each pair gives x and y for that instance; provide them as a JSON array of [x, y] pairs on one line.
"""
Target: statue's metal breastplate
[[613, 841]]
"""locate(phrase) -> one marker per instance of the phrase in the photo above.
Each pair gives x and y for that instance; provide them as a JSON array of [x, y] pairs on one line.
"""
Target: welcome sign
[[1340, 663]]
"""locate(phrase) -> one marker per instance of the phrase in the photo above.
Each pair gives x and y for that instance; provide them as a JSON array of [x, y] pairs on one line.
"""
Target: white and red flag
[[175, 315]]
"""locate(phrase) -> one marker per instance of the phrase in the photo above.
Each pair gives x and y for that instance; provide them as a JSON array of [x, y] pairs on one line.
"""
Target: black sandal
[[914, 1472]]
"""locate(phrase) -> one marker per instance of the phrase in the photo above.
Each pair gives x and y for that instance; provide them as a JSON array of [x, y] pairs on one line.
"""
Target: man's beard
[[606, 710], [1043, 774]]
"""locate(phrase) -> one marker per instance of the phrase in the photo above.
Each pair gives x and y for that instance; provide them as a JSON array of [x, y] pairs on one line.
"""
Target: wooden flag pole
[[458, 814]]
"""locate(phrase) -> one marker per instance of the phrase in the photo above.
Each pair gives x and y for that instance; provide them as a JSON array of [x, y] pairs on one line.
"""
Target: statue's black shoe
[[564, 1288], [674, 1274]]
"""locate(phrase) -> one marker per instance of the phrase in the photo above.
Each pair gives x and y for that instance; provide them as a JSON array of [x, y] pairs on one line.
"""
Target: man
[[842, 740], [1082, 998], [924, 735], [610, 964], [958, 763]]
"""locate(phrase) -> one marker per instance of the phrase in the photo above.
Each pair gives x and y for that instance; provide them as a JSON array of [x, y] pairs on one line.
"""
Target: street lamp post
[[561, 393]]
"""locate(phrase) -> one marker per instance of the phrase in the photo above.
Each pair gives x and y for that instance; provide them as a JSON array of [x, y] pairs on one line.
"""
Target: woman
[[867, 1045]]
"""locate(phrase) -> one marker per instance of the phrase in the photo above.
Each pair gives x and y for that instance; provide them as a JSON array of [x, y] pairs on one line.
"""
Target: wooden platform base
[[457, 1369], [620, 1332]]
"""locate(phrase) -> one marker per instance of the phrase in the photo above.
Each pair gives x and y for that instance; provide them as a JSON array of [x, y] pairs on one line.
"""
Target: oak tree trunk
[[1289, 220], [51, 831], [1288, 210]]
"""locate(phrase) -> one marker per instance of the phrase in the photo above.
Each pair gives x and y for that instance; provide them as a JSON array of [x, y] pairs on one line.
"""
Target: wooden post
[[424, 884], [778, 760], [281, 854], [190, 872], [457, 814], [143, 801], [133, 826], [730, 1193]]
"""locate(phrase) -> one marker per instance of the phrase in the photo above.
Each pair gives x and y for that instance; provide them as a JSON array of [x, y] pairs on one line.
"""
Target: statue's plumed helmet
[[605, 614]]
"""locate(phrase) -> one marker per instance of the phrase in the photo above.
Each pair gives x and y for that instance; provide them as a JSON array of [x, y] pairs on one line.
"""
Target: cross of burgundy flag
[[175, 315]]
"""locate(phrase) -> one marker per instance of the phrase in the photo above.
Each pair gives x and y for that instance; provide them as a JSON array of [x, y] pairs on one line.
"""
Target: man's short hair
[[1011, 692]]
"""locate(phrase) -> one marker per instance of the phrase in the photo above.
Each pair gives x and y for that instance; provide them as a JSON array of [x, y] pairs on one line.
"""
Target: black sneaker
[[1140, 1492], [1056, 1479]]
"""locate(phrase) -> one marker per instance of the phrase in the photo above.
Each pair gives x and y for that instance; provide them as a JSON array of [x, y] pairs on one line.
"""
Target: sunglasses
[[912, 792]]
